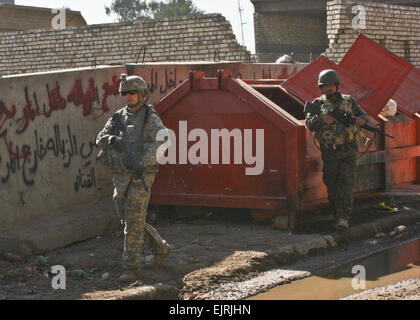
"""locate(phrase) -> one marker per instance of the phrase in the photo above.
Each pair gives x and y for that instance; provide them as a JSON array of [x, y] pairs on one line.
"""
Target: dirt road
[[213, 258]]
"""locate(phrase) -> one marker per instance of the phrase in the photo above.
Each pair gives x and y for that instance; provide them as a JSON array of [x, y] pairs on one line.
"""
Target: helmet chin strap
[[139, 102], [332, 95]]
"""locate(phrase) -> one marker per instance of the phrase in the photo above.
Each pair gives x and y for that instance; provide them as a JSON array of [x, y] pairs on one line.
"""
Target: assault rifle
[[344, 119], [131, 158]]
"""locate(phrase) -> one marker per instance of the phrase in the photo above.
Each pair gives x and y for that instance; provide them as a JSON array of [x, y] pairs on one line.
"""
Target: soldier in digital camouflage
[[133, 176], [339, 144]]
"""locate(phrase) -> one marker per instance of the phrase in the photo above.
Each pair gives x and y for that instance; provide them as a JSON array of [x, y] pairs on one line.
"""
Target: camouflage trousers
[[132, 209], [338, 176]]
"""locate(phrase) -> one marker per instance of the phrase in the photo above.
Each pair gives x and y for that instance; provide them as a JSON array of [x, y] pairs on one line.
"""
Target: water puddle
[[386, 267]]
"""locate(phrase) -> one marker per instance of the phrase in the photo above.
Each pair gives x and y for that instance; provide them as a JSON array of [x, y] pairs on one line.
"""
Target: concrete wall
[[397, 28], [49, 122], [48, 126]]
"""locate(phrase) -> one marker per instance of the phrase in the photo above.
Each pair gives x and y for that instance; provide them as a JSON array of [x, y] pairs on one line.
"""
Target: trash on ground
[[80, 273], [371, 242], [383, 205], [12, 257], [397, 230], [137, 283], [380, 235], [106, 276], [41, 260], [31, 270]]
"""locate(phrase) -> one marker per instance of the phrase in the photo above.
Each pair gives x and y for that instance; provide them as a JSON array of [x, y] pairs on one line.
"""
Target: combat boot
[[342, 224], [162, 253]]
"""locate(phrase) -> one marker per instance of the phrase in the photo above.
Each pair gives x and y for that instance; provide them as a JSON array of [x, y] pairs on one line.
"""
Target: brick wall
[[277, 34], [189, 38], [397, 28]]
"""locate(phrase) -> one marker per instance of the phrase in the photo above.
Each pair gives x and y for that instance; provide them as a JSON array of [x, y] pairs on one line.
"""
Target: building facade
[[310, 28]]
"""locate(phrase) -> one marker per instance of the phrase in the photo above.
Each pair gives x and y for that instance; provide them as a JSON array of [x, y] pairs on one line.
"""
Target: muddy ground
[[213, 253]]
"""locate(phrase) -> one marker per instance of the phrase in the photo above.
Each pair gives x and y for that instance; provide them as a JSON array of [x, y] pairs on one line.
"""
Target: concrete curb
[[291, 253], [155, 292]]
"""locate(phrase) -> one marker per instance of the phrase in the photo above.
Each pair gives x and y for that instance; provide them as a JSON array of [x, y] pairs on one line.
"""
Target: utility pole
[[240, 17]]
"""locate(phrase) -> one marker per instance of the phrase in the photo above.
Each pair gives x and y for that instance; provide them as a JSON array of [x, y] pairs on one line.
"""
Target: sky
[[94, 12]]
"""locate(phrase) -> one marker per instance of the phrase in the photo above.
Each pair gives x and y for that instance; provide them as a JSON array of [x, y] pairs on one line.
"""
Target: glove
[[117, 143]]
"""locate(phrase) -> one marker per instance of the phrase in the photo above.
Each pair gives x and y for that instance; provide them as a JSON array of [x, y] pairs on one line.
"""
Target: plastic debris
[[12, 257], [41, 260], [398, 230], [91, 254], [380, 235], [80, 273], [285, 59], [371, 242], [106, 276], [386, 207], [137, 283], [31, 270], [149, 259], [390, 109]]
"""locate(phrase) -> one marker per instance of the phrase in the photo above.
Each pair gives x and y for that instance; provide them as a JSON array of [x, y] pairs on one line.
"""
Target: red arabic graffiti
[[29, 114], [5, 114], [78, 97], [56, 102], [110, 90]]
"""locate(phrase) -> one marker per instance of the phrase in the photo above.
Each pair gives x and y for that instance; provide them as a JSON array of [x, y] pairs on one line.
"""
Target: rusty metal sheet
[[304, 84], [378, 68], [407, 95]]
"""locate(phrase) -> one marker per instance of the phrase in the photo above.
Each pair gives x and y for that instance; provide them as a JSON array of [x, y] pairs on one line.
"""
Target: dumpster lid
[[242, 91], [304, 84], [379, 68], [407, 95]]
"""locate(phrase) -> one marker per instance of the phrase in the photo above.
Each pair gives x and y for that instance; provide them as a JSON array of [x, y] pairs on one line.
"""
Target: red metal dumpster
[[221, 126], [255, 162]]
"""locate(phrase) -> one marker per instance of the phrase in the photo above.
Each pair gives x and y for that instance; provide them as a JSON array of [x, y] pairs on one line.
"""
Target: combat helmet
[[129, 83], [328, 76]]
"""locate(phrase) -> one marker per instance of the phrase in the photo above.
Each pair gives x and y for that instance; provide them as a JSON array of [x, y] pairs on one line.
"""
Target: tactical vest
[[113, 159], [336, 134]]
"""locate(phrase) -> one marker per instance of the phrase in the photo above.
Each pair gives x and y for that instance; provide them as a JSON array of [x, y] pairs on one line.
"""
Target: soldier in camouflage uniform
[[131, 197], [338, 143]]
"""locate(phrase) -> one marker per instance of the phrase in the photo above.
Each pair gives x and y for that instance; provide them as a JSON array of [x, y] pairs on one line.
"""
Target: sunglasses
[[131, 92]]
